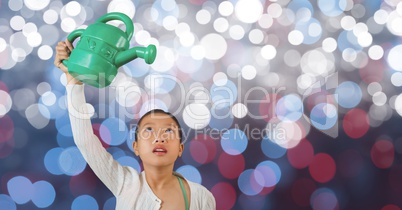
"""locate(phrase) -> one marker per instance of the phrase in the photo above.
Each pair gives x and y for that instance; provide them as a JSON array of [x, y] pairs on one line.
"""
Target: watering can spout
[[146, 53]]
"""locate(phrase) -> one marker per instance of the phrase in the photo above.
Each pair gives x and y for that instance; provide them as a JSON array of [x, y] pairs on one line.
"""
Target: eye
[[169, 130], [149, 129]]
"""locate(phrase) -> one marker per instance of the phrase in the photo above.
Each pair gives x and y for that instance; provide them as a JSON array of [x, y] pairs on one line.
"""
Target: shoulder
[[201, 194]]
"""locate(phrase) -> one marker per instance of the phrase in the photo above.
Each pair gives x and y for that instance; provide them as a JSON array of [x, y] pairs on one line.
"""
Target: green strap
[[184, 192]]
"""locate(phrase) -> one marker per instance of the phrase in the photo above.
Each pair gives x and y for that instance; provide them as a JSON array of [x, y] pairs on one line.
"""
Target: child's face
[[158, 142]]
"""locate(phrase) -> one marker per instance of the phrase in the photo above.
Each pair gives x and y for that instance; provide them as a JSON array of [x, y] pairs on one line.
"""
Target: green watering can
[[102, 49]]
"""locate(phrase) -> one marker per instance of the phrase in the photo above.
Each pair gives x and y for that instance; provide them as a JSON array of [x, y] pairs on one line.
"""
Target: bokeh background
[[285, 104]]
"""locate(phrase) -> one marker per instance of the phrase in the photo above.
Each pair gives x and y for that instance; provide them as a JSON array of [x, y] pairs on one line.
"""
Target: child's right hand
[[63, 51]]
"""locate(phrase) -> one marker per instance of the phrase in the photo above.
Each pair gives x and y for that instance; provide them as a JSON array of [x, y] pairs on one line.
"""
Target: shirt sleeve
[[108, 170], [210, 202]]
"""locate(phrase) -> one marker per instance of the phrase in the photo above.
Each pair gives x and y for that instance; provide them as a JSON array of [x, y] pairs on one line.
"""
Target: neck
[[158, 177]]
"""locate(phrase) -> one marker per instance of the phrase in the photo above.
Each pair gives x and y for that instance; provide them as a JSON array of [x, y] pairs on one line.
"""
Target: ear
[[135, 148], [181, 149]]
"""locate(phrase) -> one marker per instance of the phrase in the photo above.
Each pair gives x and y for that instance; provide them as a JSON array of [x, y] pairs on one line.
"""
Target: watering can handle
[[71, 37], [119, 16]]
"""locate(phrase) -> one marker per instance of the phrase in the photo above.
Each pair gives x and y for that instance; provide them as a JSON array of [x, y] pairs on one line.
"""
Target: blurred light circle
[[265, 21], [152, 104], [3, 44], [142, 37], [197, 52], [390, 207], [7, 203], [295, 37], [234, 141], [248, 183], [322, 168], [373, 88], [221, 25], [230, 166], [38, 115], [323, 199], [302, 155], [268, 52], [196, 116], [348, 22], [349, 55], [203, 16], [292, 58], [286, 134], [36, 4], [329, 44], [225, 8], [356, 123], [73, 8], [248, 72], [396, 79], [215, 46], [24, 96], [394, 58], [170, 23], [305, 81], [379, 98], [324, 116], [129, 161], [17, 22], [236, 32], [48, 98], [124, 6], [317, 63], [128, 94], [15, 6], [43, 194], [332, 8], [86, 202], [203, 148], [20, 189], [18, 54], [45, 52], [274, 10], [224, 194], [398, 104], [164, 60], [365, 39], [71, 161], [51, 161], [220, 79], [272, 150], [223, 96], [271, 173], [311, 30], [110, 203], [289, 108], [221, 118], [239, 110], [349, 94], [190, 173], [393, 22], [50, 16], [383, 154], [113, 131], [5, 103], [248, 11], [256, 36], [68, 24]]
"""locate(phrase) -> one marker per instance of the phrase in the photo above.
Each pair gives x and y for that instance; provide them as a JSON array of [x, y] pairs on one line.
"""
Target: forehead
[[158, 119]]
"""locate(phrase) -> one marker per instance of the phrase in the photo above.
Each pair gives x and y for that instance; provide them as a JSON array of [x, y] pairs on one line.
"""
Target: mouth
[[159, 151]]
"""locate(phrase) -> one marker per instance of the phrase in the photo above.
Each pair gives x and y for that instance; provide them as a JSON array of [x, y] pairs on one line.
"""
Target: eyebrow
[[166, 124]]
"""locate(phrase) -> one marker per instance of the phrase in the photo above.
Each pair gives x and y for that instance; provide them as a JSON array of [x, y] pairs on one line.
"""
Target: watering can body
[[102, 49]]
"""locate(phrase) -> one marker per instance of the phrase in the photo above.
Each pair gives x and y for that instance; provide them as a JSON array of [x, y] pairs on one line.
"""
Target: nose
[[157, 140]]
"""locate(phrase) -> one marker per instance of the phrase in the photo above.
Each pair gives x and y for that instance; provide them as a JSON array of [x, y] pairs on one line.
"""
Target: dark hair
[[159, 111]]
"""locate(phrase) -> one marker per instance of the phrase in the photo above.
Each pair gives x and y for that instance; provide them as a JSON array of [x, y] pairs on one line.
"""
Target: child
[[158, 144]]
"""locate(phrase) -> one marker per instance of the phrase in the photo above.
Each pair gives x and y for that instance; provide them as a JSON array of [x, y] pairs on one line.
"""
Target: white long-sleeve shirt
[[128, 186]]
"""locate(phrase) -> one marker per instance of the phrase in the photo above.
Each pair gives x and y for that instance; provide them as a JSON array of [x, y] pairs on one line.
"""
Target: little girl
[[158, 144]]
